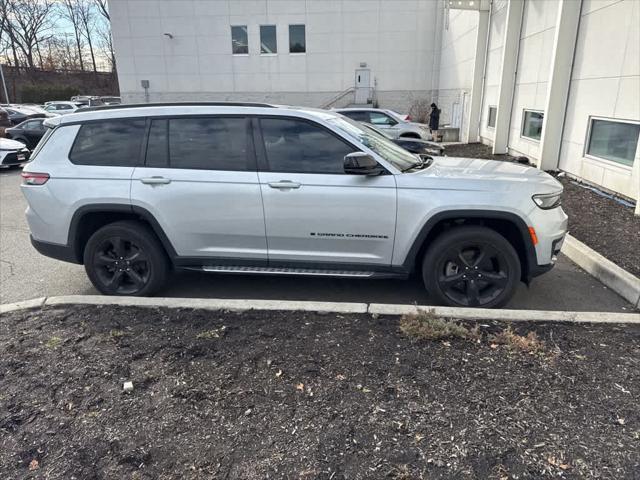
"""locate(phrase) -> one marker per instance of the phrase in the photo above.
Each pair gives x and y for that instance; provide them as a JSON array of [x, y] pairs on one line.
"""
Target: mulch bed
[[303, 395], [602, 223]]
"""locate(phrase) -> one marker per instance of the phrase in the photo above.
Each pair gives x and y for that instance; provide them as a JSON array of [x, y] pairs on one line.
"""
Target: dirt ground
[[605, 225], [221, 395], [602, 223]]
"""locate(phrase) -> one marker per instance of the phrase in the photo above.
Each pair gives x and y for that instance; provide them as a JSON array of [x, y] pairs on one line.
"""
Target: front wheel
[[471, 267], [125, 258]]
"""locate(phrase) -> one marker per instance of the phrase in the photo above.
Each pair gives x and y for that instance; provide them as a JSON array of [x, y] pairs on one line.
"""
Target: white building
[[557, 81]]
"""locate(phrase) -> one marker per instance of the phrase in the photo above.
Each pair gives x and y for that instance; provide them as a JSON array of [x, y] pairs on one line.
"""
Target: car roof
[[180, 109]]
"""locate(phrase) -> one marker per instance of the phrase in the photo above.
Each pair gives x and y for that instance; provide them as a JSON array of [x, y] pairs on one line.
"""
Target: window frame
[[493, 127], [524, 118], [275, 31], [239, 54], [251, 161], [608, 161], [305, 37], [261, 151], [139, 161]]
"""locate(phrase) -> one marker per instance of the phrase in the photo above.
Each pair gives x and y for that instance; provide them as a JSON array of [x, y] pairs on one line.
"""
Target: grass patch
[[425, 325], [529, 343], [211, 334], [53, 342]]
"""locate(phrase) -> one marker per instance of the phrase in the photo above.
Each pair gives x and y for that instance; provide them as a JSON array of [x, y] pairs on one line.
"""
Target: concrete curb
[[614, 277], [329, 307]]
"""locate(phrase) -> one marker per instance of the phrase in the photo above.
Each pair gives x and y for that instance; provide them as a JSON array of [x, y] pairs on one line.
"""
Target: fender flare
[[529, 255]]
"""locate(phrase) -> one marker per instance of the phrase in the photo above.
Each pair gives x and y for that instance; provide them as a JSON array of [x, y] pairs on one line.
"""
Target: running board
[[288, 271]]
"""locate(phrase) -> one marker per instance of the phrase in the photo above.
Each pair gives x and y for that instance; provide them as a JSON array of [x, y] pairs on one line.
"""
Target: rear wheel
[[471, 267], [125, 258]]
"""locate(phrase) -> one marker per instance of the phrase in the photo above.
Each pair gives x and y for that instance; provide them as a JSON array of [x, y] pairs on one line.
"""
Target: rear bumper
[[55, 250]]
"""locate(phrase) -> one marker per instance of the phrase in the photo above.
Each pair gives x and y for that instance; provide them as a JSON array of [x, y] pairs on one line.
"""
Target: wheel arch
[[89, 218], [509, 225], [414, 135]]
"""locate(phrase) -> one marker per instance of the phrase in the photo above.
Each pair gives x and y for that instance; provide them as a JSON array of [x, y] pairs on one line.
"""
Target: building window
[[615, 141], [532, 124], [239, 40], [268, 42], [493, 113], [297, 41]]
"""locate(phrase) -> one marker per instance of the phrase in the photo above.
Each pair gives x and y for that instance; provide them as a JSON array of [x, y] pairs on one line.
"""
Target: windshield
[[392, 153]]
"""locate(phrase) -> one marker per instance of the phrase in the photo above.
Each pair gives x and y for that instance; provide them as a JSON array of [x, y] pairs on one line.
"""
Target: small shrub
[[529, 343], [420, 110], [427, 326]]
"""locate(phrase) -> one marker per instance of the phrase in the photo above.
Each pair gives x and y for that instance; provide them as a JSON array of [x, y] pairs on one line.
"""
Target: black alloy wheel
[[471, 267], [126, 258]]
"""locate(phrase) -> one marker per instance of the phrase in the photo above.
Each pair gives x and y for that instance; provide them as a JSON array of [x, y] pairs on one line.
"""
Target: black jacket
[[434, 119]]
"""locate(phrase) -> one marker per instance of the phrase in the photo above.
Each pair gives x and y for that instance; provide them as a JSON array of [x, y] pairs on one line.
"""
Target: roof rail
[[177, 104]]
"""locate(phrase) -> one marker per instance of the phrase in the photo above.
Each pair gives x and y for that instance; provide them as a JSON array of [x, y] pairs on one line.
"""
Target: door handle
[[155, 180], [284, 184]]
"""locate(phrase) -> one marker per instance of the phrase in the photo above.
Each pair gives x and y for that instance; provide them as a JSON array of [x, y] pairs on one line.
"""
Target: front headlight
[[547, 201]]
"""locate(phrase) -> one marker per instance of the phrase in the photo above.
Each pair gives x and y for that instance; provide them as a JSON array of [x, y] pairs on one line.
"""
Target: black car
[[18, 115], [28, 132], [421, 147]]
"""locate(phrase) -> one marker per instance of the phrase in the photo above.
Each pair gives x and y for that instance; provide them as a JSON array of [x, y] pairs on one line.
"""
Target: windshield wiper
[[424, 162]]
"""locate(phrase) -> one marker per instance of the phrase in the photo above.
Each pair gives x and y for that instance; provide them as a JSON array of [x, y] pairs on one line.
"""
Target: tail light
[[34, 178], [407, 118]]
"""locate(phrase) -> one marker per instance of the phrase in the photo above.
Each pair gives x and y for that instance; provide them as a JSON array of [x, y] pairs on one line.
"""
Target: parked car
[[413, 145], [20, 113], [111, 100], [251, 188], [12, 153], [87, 100], [4, 120], [62, 107], [391, 122], [28, 132]]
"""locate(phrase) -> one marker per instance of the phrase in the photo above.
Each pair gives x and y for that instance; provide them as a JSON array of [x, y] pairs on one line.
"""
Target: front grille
[[15, 158]]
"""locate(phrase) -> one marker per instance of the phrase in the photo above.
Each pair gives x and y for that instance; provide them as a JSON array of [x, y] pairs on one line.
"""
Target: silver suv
[[132, 191], [393, 124]]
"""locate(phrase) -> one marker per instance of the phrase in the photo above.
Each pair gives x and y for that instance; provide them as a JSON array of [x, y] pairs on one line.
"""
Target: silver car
[[392, 123], [133, 192]]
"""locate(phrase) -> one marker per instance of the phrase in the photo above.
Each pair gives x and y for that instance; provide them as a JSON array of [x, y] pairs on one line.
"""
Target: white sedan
[[12, 153]]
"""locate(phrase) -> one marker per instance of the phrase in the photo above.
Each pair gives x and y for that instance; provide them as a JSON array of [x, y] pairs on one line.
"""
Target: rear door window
[[109, 143], [208, 143]]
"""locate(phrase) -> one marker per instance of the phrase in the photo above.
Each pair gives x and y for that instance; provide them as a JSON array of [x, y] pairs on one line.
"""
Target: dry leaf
[[418, 437], [300, 387], [34, 465], [340, 377], [279, 373], [494, 345], [621, 421]]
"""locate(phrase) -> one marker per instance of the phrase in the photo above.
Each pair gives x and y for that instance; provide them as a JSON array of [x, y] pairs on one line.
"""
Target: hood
[[485, 174], [8, 144]]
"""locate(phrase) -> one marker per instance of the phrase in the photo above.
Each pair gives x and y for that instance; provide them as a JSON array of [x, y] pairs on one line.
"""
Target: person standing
[[434, 122]]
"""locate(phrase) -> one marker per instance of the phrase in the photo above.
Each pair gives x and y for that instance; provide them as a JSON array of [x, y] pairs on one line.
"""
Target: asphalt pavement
[[25, 274]]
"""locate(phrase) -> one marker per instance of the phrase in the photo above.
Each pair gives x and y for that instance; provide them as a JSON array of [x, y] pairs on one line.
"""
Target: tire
[[471, 267], [126, 258]]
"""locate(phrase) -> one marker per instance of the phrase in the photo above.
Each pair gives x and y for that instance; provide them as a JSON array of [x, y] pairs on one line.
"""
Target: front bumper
[[14, 157]]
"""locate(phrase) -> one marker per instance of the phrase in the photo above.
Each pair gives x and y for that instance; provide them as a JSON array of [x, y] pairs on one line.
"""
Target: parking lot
[[24, 274]]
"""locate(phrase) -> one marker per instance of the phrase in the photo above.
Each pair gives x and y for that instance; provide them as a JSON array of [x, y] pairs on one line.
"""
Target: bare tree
[[27, 23], [71, 12], [86, 14], [103, 9]]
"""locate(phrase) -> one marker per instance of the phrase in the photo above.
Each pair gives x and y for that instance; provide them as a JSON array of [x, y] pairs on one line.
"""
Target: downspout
[[484, 70]]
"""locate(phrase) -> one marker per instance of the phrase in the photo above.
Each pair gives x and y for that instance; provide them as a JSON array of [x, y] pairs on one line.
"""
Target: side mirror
[[360, 163]]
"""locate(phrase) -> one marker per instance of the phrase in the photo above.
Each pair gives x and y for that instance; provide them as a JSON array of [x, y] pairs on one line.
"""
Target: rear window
[[113, 143], [203, 143]]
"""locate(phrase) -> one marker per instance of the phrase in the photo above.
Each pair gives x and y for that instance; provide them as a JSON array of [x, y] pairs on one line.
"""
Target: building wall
[[534, 61], [394, 39], [455, 72], [493, 68], [605, 82]]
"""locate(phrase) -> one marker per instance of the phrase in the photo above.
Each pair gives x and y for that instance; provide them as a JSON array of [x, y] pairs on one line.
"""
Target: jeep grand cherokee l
[[132, 191]]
